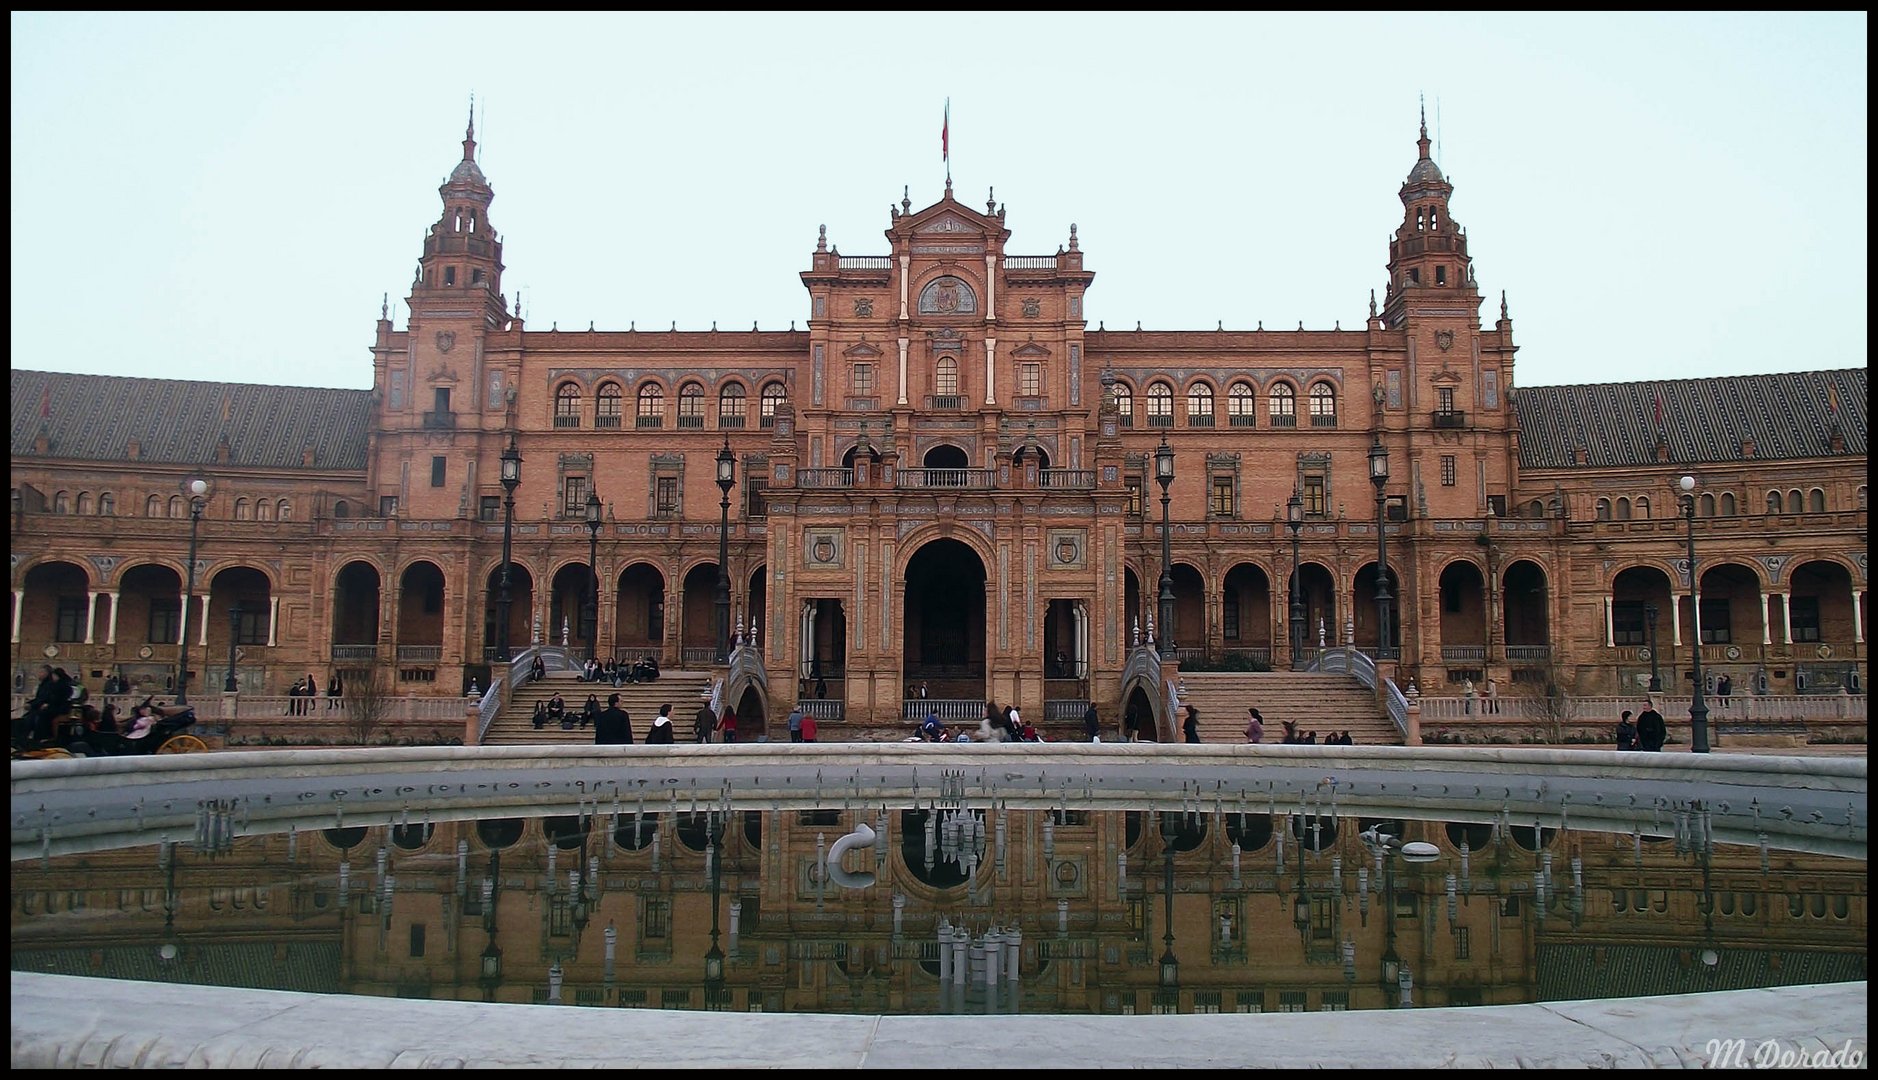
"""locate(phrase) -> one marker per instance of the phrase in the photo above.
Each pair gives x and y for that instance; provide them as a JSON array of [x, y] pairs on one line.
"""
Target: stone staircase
[[1315, 701], [684, 690]]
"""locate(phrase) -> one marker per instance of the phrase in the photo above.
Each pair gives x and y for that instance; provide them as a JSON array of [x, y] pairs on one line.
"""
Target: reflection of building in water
[[1306, 914]]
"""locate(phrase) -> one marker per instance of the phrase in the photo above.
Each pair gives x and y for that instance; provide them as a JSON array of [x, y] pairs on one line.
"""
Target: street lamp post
[[1649, 621], [593, 572], [1294, 520], [229, 685], [1379, 476], [1164, 475], [198, 489], [726, 477], [511, 477], [1698, 709]]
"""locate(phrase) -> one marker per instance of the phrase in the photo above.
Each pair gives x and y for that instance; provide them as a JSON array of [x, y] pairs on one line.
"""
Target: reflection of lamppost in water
[[491, 975], [1387, 848], [714, 996], [229, 685], [1170, 966]]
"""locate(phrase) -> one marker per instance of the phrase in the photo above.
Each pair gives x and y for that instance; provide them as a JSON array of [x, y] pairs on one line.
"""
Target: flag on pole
[[945, 137]]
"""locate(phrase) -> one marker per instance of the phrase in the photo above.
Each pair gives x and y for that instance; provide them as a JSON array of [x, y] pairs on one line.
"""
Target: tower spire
[[469, 131], [1423, 141]]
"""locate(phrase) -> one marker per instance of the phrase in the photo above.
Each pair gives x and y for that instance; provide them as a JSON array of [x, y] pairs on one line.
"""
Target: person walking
[[704, 723], [1652, 733], [1013, 724], [612, 726], [1131, 725], [1191, 729], [808, 727], [1626, 732], [728, 724], [1255, 727], [1091, 724], [795, 724], [311, 699], [333, 692], [661, 733]]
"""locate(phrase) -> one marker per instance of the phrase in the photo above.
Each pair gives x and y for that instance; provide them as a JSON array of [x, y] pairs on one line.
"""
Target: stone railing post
[[472, 719], [231, 705]]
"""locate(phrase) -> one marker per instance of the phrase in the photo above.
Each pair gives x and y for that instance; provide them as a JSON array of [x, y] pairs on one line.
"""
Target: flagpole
[[945, 143]]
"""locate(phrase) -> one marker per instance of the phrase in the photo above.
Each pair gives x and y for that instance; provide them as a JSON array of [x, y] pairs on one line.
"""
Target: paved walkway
[[64, 1022]]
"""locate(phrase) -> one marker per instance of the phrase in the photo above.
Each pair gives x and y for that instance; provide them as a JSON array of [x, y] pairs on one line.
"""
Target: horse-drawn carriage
[[82, 734]]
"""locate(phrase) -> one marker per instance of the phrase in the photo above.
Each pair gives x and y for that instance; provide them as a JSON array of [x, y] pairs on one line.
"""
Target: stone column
[[1695, 618], [91, 615], [182, 627], [1858, 618], [204, 640], [110, 626], [903, 345], [1610, 626], [273, 621], [1786, 617], [991, 383], [1675, 617], [19, 603], [904, 261], [1767, 628]]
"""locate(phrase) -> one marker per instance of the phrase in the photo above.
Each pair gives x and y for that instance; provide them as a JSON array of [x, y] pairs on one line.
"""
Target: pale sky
[[227, 196]]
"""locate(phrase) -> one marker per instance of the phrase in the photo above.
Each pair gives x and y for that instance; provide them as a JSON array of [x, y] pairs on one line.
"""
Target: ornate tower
[[1428, 259]]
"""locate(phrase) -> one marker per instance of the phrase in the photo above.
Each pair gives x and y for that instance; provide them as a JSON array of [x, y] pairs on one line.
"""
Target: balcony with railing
[[825, 478], [947, 402], [1463, 654], [1450, 418], [1243, 420], [440, 421], [697, 656], [730, 420], [1323, 420], [1067, 479], [1528, 654], [654, 420], [606, 420], [1285, 420], [1030, 262], [866, 262], [690, 420], [969, 479], [1199, 419], [1165, 420], [342, 653], [567, 420], [420, 654]]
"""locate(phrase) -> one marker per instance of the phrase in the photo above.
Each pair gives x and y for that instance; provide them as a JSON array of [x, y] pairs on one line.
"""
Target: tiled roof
[[308, 966], [1787, 415], [179, 422], [1576, 971]]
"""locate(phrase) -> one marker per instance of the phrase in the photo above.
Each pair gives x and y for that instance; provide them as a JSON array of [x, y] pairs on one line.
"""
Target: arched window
[[691, 405], [1240, 404], [1323, 405], [1728, 504], [1623, 509], [176, 507], [567, 406], [1160, 405], [283, 510], [731, 406], [1861, 496], [340, 509], [773, 397], [1535, 509], [1124, 403], [1708, 505], [945, 382], [608, 406], [107, 505], [1284, 405], [1773, 502], [1199, 405], [62, 502], [84, 502], [1643, 507], [1604, 509], [1795, 501], [1815, 501], [651, 406], [241, 509], [153, 506], [263, 510]]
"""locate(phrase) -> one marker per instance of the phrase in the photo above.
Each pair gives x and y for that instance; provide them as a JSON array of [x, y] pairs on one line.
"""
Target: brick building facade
[[946, 479]]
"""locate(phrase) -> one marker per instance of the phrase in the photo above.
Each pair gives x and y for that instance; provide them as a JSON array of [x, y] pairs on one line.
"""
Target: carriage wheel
[[183, 744], [49, 753]]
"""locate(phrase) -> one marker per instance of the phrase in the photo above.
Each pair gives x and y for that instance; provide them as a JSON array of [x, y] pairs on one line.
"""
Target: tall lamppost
[[726, 477], [198, 490], [511, 476], [1379, 476], [1649, 621], [1294, 521], [593, 571], [1698, 710], [1164, 475], [229, 685]]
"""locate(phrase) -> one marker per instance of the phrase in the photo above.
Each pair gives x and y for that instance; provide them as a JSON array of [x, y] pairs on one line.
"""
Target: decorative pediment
[[1030, 349], [861, 351], [947, 223], [1445, 377]]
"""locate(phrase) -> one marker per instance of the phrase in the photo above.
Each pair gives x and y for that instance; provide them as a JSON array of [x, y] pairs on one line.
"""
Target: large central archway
[[945, 621]]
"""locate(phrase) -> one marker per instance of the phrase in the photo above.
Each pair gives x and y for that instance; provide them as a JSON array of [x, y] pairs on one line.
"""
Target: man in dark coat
[[1652, 733], [661, 731], [1091, 723], [612, 726], [704, 723]]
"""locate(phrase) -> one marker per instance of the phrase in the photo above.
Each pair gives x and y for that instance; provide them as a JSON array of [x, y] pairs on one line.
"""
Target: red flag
[[945, 135]]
